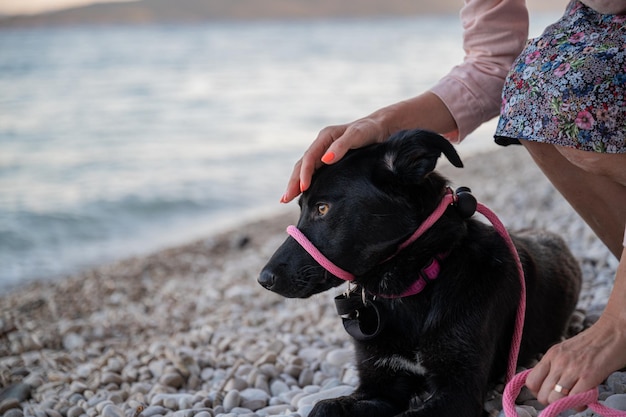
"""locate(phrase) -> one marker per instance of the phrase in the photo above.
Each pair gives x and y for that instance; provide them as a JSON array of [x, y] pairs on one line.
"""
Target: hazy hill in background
[[193, 11]]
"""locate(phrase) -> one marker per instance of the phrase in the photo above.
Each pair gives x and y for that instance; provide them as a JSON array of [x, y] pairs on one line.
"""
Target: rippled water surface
[[119, 140]]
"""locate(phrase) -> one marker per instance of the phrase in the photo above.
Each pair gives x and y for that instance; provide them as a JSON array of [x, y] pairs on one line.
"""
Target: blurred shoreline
[[148, 12]]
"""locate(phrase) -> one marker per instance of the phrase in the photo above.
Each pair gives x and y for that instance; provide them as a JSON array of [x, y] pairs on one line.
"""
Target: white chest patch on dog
[[399, 363]]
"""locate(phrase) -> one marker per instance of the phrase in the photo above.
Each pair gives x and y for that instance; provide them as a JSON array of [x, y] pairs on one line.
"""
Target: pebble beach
[[188, 332]]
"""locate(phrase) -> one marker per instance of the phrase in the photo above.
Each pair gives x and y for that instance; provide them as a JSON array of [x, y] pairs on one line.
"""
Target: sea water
[[119, 140]]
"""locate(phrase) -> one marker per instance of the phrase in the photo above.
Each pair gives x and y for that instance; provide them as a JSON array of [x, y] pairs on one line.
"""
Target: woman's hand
[[580, 363], [425, 111], [584, 361], [331, 145]]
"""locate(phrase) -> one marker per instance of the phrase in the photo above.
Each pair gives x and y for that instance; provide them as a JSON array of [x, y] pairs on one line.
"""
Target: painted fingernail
[[283, 199], [328, 157]]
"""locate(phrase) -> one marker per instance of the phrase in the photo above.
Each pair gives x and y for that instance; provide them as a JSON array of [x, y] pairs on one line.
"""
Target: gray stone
[[112, 410], [101, 405], [172, 379], [305, 410], [617, 401], [75, 411], [9, 404], [185, 402], [231, 400], [72, 341], [306, 377], [19, 392], [236, 383], [96, 399], [78, 387], [335, 392], [268, 357], [274, 410], [254, 398], [14, 412], [340, 357], [153, 410], [111, 378], [184, 413], [278, 387], [238, 411], [260, 382], [617, 382], [52, 413]]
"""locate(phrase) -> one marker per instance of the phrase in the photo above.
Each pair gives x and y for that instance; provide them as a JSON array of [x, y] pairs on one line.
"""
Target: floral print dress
[[568, 86]]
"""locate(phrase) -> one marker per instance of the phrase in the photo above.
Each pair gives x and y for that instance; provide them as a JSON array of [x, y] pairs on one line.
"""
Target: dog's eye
[[322, 209]]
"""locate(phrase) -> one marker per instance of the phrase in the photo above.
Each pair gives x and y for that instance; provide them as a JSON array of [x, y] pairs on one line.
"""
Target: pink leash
[[516, 382], [587, 398], [521, 307]]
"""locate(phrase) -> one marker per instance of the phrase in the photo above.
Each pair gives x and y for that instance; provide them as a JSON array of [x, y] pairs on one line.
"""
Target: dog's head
[[359, 210]]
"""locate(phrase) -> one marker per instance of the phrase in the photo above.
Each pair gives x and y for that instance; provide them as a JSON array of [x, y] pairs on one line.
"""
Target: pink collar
[[429, 273]]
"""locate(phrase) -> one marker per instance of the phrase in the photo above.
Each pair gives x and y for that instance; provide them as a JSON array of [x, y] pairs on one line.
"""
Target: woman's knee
[[608, 165]]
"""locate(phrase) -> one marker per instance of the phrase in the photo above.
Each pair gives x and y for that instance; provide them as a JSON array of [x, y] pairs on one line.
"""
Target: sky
[[37, 6]]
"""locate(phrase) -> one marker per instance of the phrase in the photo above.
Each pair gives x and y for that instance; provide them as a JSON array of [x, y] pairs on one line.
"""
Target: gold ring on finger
[[561, 389]]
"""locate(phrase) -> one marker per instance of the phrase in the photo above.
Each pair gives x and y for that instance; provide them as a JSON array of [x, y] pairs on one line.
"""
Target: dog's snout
[[267, 279]]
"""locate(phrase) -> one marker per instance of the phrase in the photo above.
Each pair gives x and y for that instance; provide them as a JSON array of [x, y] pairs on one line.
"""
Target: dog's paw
[[352, 406], [337, 407]]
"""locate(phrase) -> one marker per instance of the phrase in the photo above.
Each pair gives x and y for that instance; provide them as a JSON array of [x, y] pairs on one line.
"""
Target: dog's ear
[[413, 154]]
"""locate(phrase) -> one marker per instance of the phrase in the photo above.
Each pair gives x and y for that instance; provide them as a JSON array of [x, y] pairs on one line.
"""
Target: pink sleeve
[[494, 33]]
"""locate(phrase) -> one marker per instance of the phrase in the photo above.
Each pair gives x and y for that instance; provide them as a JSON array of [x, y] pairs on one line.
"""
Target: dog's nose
[[267, 279]]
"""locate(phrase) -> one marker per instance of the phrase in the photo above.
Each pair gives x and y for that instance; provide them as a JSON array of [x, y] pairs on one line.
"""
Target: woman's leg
[[593, 183]]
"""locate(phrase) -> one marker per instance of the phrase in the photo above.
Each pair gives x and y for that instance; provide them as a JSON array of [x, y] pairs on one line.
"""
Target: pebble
[[340, 357], [521, 412], [188, 332], [73, 341], [617, 401], [9, 404], [111, 410], [254, 398], [111, 378], [334, 392], [306, 377], [75, 411], [153, 410], [274, 410], [172, 380], [617, 382], [232, 400], [14, 412], [19, 391], [278, 387]]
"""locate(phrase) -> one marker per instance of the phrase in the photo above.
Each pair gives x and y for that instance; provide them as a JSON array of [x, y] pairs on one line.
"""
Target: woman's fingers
[[331, 144], [580, 363]]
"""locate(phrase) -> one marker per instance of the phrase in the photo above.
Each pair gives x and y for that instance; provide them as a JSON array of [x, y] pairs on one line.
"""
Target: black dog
[[435, 353]]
